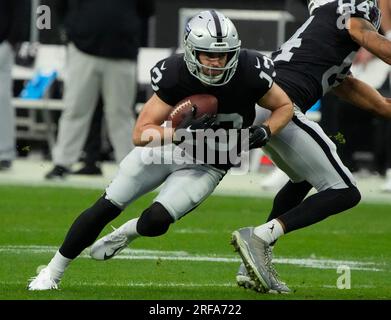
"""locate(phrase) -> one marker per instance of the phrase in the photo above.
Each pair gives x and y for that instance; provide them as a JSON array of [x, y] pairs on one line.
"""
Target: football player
[[316, 60], [213, 63]]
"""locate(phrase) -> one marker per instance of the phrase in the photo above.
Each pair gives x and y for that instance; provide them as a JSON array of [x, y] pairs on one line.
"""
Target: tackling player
[[316, 60]]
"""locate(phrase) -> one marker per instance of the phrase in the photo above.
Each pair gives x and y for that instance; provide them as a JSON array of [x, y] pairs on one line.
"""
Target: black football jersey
[[254, 76], [319, 55]]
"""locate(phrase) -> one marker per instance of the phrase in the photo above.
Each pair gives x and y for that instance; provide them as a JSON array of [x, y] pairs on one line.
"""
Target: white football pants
[[304, 152], [144, 169]]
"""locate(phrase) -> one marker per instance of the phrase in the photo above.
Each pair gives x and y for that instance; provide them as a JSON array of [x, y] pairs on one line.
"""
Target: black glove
[[258, 136], [190, 123]]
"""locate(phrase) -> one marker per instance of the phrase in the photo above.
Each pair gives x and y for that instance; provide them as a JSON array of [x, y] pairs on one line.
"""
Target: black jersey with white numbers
[[319, 55], [254, 76]]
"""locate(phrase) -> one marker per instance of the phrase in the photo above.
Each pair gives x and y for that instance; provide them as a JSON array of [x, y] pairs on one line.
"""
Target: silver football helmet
[[211, 31]]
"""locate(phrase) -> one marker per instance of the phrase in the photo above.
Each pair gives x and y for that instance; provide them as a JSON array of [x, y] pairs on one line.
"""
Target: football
[[204, 103]]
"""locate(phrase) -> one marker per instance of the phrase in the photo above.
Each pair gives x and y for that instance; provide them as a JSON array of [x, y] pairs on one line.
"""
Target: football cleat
[[107, 247], [43, 281], [252, 250], [261, 265], [243, 279], [276, 284]]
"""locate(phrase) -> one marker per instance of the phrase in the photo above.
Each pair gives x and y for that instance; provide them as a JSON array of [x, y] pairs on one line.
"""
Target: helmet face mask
[[211, 32]]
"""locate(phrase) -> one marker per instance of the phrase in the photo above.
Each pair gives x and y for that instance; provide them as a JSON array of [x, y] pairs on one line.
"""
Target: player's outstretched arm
[[366, 35], [363, 96], [277, 101]]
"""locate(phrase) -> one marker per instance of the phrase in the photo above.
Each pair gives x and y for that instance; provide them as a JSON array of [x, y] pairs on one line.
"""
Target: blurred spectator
[[93, 150], [14, 28], [102, 53]]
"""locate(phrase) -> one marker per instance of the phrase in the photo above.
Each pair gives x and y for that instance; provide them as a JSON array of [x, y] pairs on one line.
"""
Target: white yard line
[[141, 254], [125, 284]]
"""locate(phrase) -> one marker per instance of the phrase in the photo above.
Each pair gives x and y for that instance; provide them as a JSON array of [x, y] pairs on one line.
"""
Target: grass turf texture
[[40, 217]]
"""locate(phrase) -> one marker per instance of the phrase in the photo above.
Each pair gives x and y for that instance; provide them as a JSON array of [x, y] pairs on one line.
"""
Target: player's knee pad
[[344, 199], [354, 196], [154, 221]]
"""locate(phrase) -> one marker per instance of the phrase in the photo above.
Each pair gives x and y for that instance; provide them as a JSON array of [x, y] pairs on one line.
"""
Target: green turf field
[[194, 260]]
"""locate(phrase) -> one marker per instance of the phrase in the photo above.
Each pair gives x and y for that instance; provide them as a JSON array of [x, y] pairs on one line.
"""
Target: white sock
[[129, 228], [269, 231], [57, 265]]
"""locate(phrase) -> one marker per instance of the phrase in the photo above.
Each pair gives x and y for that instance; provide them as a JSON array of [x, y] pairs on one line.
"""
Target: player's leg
[[289, 196], [297, 188], [133, 179], [305, 153], [184, 189], [154, 221], [313, 155]]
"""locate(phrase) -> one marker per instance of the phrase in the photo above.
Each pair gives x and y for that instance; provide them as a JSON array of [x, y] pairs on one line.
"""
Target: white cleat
[[107, 247], [43, 281]]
